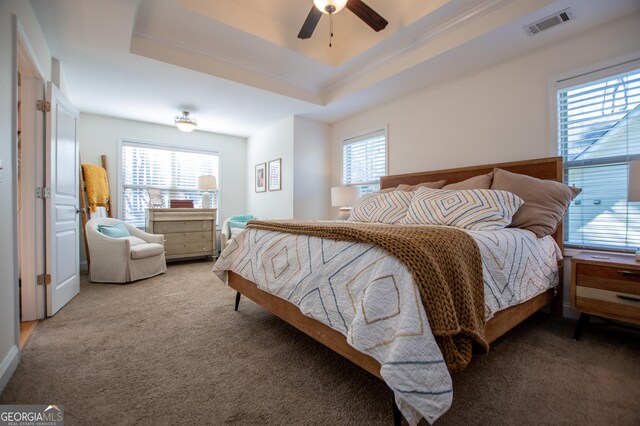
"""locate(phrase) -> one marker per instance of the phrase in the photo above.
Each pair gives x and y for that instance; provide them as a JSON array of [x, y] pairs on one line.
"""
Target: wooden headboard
[[542, 168]]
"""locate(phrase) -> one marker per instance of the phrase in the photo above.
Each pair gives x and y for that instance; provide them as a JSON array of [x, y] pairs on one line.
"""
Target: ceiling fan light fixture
[[185, 123], [330, 6]]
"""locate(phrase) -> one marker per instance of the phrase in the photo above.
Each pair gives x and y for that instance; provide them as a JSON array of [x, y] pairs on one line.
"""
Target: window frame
[[167, 146], [360, 137], [585, 75]]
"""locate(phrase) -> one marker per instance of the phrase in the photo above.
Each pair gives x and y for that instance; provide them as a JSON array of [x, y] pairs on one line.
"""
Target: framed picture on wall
[[275, 180], [261, 177]]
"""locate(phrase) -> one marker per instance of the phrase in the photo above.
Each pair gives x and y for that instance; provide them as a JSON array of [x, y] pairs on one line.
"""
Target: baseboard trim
[[8, 366]]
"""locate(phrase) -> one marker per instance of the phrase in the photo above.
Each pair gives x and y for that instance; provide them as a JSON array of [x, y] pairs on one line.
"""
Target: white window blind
[[599, 133], [171, 170], [364, 160]]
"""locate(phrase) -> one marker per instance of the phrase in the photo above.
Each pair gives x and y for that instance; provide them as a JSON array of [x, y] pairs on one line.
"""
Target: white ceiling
[[238, 66]]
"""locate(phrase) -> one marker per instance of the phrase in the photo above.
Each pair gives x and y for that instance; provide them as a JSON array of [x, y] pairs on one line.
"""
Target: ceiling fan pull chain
[[330, 28]]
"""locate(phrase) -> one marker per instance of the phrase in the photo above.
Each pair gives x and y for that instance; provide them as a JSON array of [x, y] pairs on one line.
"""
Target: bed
[[341, 339]]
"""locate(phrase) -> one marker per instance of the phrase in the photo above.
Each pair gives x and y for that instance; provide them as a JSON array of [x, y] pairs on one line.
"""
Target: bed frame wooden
[[502, 322]]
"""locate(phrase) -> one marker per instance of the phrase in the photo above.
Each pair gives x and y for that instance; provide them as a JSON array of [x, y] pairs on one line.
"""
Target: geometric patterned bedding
[[516, 266], [369, 296]]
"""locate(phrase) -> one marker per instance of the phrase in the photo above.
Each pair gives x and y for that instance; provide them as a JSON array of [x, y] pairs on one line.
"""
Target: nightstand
[[605, 285]]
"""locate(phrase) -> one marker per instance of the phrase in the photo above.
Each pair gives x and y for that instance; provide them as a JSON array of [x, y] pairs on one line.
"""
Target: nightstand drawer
[[623, 280], [603, 302]]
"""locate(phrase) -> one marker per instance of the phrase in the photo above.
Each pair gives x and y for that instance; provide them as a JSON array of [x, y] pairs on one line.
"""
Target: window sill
[[570, 252]]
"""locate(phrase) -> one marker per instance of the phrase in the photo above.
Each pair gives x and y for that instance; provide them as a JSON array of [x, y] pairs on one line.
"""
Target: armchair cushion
[[135, 241], [142, 251], [117, 230]]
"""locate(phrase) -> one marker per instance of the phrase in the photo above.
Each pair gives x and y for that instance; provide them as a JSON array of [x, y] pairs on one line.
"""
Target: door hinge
[[43, 192], [44, 279], [42, 105]]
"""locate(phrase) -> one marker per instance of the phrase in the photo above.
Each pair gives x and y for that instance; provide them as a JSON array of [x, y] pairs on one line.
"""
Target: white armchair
[[227, 233], [126, 259]]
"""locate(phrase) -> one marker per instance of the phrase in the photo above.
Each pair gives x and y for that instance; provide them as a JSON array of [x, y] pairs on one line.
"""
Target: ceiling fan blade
[[310, 23], [368, 15]]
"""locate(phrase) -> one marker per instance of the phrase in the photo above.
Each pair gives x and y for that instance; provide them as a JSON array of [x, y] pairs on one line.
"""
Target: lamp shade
[[344, 195], [207, 182], [634, 181]]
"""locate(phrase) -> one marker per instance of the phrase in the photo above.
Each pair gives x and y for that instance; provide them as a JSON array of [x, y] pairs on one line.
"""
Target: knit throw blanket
[[97, 186], [445, 264]]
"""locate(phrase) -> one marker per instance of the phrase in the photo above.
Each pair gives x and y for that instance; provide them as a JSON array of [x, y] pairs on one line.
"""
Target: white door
[[62, 218]]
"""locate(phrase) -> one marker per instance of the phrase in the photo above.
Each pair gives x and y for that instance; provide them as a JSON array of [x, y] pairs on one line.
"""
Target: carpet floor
[[170, 350]]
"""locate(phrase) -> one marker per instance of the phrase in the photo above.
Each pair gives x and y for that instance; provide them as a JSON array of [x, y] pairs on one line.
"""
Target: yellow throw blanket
[[97, 185], [445, 264]]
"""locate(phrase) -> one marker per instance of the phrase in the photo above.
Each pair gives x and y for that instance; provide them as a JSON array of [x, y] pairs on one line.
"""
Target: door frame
[[32, 162]]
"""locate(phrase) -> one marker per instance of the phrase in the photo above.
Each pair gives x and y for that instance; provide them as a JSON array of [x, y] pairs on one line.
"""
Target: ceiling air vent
[[549, 21]]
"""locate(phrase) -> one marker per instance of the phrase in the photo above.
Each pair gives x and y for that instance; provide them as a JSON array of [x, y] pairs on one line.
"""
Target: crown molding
[[315, 90]]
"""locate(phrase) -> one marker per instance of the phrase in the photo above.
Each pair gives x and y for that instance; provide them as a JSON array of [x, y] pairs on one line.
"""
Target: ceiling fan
[[359, 8]]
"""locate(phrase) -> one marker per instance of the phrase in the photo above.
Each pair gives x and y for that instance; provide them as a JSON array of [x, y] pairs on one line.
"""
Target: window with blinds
[[599, 134], [171, 170], [364, 161]]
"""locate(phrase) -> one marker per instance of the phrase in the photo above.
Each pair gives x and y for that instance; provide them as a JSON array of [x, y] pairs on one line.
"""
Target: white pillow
[[382, 207], [474, 209]]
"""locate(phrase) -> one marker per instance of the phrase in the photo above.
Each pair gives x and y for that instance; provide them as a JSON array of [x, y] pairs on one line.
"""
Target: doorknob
[[78, 211]]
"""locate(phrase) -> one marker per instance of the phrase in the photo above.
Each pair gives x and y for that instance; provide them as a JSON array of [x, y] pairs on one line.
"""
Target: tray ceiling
[[238, 65]]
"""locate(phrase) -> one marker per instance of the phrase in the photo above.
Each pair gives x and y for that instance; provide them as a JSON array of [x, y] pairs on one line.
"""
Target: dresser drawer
[[614, 304], [176, 215], [175, 227], [187, 248], [188, 237], [614, 279]]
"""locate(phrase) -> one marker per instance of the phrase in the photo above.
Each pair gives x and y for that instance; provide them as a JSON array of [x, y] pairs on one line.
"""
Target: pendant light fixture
[[330, 6], [185, 123]]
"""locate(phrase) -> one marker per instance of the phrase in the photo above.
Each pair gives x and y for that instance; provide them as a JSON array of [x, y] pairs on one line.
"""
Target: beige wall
[[311, 192], [303, 146], [501, 113], [269, 144], [100, 134]]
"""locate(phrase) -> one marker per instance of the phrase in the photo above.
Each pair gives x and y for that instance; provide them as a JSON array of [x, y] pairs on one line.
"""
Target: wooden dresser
[[605, 285], [187, 232]]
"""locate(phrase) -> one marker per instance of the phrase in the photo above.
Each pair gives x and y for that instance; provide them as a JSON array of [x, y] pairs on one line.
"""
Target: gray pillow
[[433, 185], [476, 182], [545, 201]]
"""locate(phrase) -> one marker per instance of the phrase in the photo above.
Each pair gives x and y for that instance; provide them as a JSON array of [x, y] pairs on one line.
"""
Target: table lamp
[[206, 183], [634, 189], [344, 197]]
